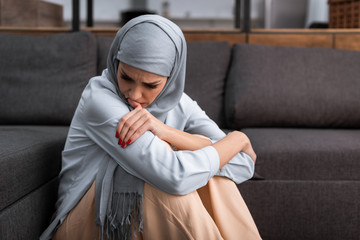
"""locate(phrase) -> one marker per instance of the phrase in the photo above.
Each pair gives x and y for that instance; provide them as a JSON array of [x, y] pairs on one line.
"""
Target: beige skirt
[[216, 211]]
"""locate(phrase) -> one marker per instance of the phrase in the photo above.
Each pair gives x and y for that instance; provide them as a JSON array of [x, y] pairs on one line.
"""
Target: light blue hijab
[[154, 44]]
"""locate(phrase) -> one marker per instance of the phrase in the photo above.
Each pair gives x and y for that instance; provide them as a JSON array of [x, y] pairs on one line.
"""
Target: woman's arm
[[227, 148], [148, 158], [231, 145], [184, 141], [138, 121]]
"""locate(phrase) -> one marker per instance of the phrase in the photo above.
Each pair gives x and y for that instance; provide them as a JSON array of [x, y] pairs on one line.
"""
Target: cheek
[[149, 96], [123, 86], [158, 90], [154, 93]]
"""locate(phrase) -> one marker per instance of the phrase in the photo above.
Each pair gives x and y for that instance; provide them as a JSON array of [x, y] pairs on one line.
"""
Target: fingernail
[[120, 141], [128, 142], [123, 145], [117, 134]]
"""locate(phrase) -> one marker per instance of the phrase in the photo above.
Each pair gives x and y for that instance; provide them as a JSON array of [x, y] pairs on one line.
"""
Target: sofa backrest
[[207, 65], [42, 78], [293, 87], [103, 47], [206, 70]]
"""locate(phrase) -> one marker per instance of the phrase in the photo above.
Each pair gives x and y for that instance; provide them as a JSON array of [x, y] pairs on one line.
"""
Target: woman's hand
[[139, 120], [136, 123], [248, 149], [232, 144]]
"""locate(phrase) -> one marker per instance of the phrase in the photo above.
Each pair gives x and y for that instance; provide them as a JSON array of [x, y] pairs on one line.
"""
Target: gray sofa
[[300, 107]]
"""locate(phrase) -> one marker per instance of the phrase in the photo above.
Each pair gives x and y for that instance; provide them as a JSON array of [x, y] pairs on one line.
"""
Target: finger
[[127, 116], [252, 154], [137, 129], [123, 120], [131, 125]]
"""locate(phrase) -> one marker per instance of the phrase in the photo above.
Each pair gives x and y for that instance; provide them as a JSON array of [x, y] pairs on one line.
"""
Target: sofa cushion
[[306, 154], [298, 210], [30, 156], [293, 87], [42, 77], [206, 69], [28, 217]]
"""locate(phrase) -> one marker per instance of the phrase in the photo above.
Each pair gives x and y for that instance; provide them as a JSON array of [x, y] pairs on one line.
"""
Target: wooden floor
[[326, 38]]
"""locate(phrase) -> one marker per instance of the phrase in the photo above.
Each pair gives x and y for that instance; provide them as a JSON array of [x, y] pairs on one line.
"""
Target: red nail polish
[[120, 141], [123, 145], [128, 142], [117, 135]]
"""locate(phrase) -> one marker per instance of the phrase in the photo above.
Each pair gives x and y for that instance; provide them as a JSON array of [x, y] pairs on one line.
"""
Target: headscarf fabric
[[153, 44]]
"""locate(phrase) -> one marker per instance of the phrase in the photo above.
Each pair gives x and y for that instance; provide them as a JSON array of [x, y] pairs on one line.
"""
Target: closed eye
[[125, 77], [151, 86]]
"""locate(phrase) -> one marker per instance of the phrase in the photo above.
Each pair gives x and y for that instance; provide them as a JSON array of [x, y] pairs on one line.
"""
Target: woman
[[142, 158]]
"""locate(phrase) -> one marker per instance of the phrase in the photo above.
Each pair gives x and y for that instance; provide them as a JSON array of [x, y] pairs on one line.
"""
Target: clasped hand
[[136, 123]]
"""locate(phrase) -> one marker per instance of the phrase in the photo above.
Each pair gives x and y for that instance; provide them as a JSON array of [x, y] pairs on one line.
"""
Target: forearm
[[183, 140], [227, 147], [231, 145]]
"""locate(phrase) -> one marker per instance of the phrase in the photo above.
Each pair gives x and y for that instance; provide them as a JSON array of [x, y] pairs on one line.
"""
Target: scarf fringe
[[118, 202], [123, 218]]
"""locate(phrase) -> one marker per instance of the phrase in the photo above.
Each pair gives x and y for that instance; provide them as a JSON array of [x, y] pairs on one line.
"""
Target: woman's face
[[138, 86]]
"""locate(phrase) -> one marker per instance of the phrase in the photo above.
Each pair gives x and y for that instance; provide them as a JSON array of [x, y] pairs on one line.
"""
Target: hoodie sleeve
[[238, 169], [148, 158]]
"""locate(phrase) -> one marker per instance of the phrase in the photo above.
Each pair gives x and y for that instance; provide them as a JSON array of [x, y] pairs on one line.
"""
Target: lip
[[134, 103]]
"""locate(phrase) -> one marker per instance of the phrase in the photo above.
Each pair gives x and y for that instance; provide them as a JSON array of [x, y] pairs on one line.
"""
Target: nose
[[135, 93]]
